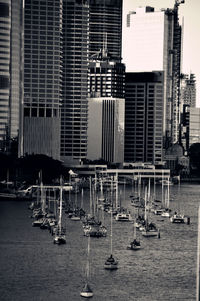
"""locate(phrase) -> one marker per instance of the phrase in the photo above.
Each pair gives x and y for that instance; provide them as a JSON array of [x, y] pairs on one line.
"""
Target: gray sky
[[190, 18]]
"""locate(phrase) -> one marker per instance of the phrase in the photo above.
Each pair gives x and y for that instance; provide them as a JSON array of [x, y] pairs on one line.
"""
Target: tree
[[31, 165]]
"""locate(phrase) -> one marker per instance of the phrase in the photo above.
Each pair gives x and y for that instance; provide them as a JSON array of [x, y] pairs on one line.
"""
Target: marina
[[163, 269]]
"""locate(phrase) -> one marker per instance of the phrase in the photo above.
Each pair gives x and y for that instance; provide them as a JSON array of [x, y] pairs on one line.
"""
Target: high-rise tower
[[144, 117], [75, 77], [156, 36], [10, 69], [106, 109], [42, 77], [106, 19]]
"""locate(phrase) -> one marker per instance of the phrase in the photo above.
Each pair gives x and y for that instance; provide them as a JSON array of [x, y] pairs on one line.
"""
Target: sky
[[190, 19]]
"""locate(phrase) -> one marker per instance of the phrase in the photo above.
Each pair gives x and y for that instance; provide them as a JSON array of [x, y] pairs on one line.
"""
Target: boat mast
[[145, 209], [60, 213], [198, 260], [117, 192], [88, 260], [90, 196], [82, 198], [111, 247]]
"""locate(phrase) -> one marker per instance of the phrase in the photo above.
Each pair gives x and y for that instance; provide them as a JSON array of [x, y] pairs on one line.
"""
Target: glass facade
[[75, 80], [144, 117], [5, 38], [156, 36], [42, 76], [106, 27]]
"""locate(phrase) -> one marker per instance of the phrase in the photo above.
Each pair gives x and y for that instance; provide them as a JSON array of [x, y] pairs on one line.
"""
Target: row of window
[[41, 112]]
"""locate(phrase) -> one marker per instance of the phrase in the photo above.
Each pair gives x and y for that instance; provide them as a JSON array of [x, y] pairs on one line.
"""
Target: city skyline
[[188, 16]]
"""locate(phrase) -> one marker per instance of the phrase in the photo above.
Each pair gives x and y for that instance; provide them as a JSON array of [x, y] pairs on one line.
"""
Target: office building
[[42, 77], [75, 80], [10, 70], [144, 112], [106, 109], [188, 90], [152, 41], [106, 24], [194, 126]]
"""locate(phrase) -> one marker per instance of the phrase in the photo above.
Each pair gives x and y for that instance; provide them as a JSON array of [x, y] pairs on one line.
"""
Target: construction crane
[[178, 2]]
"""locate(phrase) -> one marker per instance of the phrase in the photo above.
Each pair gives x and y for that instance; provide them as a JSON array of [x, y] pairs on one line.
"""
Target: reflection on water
[[33, 268]]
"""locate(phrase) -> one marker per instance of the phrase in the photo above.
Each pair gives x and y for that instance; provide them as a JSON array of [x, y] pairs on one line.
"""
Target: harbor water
[[33, 268]]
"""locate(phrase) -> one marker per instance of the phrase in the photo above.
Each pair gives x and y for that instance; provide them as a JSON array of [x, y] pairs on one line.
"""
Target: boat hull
[[59, 240], [86, 291], [111, 266], [177, 220], [86, 294], [149, 233], [134, 248]]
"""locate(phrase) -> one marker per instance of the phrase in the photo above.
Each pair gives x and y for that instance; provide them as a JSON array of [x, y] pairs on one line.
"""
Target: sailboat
[[111, 263], [93, 226], [178, 218], [76, 212], [166, 212], [135, 244], [123, 215], [86, 290], [40, 213], [150, 229], [60, 237]]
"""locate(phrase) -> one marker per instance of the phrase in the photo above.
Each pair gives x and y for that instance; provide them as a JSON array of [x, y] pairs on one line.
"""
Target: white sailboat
[[135, 244], [76, 213], [60, 237], [178, 218], [86, 290], [123, 215], [149, 229], [111, 263], [166, 212]]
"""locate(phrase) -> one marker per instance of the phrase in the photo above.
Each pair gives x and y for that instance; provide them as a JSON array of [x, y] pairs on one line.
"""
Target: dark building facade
[[75, 80], [106, 27], [42, 77], [10, 70], [144, 117]]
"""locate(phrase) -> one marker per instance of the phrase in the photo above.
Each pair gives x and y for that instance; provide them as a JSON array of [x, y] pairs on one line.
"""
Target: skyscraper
[[75, 80], [152, 41], [144, 117], [188, 90], [10, 69], [106, 23], [106, 109], [42, 77]]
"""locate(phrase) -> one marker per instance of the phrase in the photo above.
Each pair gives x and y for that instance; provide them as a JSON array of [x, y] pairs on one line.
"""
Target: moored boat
[[178, 218], [111, 263], [86, 291], [123, 217]]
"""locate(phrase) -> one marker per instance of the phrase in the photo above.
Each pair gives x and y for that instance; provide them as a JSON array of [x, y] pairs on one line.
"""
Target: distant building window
[[48, 112], [4, 82], [4, 10], [34, 112], [41, 112], [26, 112]]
